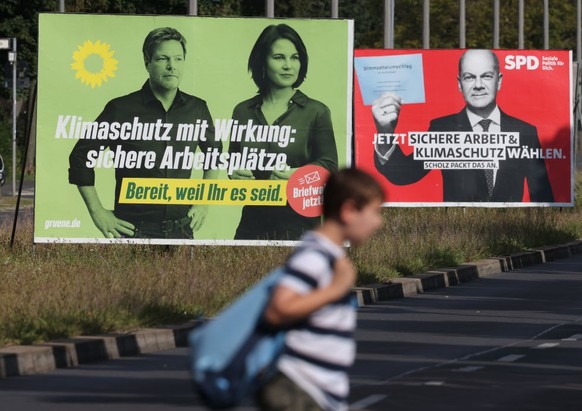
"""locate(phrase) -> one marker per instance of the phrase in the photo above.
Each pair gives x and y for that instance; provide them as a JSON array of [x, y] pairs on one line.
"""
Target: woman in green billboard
[[278, 65]]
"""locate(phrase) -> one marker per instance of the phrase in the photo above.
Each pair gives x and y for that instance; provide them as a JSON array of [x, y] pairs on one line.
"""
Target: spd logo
[[513, 62]]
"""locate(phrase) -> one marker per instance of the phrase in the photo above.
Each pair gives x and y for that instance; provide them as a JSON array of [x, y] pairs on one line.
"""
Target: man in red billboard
[[479, 80]]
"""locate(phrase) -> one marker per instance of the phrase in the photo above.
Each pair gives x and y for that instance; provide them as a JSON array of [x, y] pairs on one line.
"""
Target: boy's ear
[[347, 211]]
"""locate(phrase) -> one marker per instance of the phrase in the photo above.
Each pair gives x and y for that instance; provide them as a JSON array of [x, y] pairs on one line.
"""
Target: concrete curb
[[451, 276], [70, 352]]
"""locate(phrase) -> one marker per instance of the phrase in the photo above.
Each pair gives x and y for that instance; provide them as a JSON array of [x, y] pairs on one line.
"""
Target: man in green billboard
[[146, 122]]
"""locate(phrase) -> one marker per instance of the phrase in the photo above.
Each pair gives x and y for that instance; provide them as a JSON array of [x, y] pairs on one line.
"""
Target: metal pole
[[270, 6], [579, 69], [192, 7], [579, 31], [388, 24], [520, 25], [334, 9], [546, 25], [61, 6], [462, 25], [496, 24], [426, 25], [14, 117]]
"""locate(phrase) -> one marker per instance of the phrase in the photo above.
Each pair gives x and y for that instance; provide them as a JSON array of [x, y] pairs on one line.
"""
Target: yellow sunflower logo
[[94, 63]]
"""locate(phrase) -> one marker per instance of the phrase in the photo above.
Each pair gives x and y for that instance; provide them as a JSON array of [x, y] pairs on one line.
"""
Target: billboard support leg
[[24, 155]]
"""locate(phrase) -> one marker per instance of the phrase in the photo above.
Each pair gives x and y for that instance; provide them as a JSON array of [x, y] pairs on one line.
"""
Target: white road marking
[[510, 358], [475, 354], [469, 368], [574, 337], [434, 383], [546, 345], [365, 402]]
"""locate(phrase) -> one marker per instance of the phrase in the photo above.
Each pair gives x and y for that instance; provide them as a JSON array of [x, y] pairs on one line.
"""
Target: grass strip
[[52, 291]]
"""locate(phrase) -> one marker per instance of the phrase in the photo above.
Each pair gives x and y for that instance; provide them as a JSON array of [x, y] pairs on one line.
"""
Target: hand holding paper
[[400, 74], [386, 110]]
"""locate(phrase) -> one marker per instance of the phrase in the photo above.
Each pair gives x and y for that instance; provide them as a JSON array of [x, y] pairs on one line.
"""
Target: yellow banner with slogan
[[199, 191]]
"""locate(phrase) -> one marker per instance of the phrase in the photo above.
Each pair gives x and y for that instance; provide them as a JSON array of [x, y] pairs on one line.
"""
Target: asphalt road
[[7, 213], [27, 188], [509, 342]]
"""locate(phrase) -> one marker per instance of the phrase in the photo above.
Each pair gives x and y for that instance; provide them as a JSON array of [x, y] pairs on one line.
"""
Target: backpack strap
[[311, 247], [349, 297]]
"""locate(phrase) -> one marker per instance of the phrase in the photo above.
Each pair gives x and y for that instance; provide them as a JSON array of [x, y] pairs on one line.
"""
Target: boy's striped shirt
[[319, 351]]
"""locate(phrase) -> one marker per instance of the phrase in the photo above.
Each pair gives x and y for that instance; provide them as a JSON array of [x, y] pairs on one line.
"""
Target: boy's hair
[[349, 184]]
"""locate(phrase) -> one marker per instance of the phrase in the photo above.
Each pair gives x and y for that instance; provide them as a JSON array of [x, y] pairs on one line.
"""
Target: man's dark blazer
[[471, 185]]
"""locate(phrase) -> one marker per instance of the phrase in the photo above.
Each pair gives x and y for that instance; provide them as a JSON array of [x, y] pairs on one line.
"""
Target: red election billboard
[[473, 128]]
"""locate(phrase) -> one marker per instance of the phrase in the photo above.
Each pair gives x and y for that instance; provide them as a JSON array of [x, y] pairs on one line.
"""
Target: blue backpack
[[234, 354]]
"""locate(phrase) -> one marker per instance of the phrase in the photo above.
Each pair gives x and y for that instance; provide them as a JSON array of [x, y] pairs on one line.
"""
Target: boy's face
[[360, 225]]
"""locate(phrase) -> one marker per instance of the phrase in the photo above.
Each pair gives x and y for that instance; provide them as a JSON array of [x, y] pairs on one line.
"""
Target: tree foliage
[[19, 18]]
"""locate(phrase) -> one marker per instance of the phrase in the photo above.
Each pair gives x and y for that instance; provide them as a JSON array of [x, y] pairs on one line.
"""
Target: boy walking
[[313, 299]]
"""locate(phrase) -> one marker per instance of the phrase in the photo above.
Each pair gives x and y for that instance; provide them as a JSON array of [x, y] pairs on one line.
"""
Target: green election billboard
[[188, 130]]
